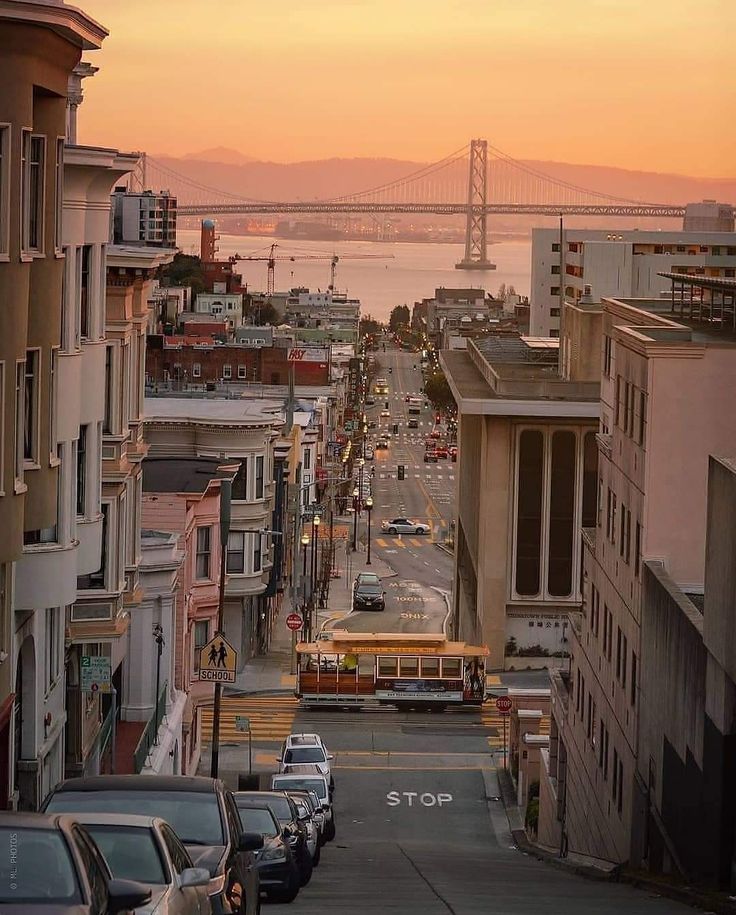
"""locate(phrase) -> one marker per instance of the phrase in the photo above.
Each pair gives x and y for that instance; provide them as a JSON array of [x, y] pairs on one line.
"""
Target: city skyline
[[266, 84]]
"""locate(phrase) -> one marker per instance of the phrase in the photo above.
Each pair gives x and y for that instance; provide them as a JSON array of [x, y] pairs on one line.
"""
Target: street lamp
[[369, 507], [355, 518], [312, 593], [361, 465], [305, 544], [158, 638]]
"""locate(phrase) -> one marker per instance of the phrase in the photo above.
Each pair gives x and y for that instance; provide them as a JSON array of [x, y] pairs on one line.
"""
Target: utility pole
[[226, 489]]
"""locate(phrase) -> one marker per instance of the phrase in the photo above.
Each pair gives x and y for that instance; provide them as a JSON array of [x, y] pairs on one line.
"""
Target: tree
[[266, 315], [437, 389], [399, 315], [369, 325], [185, 270]]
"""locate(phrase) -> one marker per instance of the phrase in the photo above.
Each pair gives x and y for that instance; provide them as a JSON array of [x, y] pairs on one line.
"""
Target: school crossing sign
[[218, 661]]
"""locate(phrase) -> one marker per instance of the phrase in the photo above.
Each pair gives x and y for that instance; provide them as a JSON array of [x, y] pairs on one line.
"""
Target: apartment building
[[244, 433], [144, 218], [41, 388], [666, 405], [181, 497], [623, 264], [525, 484]]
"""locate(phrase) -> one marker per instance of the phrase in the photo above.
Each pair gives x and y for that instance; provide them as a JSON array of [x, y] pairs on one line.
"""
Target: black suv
[[201, 811], [368, 594]]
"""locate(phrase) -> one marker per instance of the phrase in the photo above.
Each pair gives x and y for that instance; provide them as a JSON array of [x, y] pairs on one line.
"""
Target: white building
[[622, 264], [144, 219], [227, 305]]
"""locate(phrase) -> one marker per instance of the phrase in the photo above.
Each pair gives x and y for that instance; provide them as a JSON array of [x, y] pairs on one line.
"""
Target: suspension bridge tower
[[476, 254]]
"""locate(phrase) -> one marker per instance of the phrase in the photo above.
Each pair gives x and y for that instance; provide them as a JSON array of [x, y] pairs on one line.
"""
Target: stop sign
[[504, 704], [294, 621]]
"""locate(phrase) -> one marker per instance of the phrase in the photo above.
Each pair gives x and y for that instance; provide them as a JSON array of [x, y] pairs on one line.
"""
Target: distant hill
[[230, 170]]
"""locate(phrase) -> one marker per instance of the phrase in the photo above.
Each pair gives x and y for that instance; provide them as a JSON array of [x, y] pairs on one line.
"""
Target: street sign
[[294, 622], [242, 723], [504, 705], [218, 661], [94, 674]]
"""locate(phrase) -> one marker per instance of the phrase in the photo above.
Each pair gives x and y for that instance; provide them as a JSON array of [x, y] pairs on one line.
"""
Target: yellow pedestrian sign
[[218, 661]]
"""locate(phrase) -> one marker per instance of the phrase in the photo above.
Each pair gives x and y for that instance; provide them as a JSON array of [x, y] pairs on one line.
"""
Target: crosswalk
[[271, 719]]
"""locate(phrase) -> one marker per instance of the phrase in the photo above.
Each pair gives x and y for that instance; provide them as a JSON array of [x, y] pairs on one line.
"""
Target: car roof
[[306, 769], [303, 740], [28, 820], [142, 783], [118, 819]]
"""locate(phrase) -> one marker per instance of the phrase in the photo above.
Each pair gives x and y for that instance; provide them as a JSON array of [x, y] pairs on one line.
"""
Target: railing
[[105, 733], [148, 737]]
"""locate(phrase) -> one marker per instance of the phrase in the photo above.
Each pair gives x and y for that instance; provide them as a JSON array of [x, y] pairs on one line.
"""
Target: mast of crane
[[271, 278]]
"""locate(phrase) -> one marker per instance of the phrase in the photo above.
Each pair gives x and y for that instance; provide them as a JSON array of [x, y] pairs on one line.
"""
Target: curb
[[259, 692], [445, 549]]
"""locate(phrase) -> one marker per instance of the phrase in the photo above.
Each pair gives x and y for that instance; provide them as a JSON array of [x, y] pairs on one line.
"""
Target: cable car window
[[452, 668], [409, 667], [430, 667], [388, 667]]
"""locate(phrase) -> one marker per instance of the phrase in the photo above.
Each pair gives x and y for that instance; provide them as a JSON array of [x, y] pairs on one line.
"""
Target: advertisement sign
[[307, 354]]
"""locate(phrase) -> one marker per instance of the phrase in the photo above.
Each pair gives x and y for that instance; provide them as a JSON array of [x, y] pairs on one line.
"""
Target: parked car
[[453, 453], [441, 450], [277, 868], [305, 750], [53, 865], [146, 849], [405, 526], [201, 811], [370, 401], [430, 456], [284, 809], [382, 444], [412, 424], [318, 814], [308, 824], [385, 413], [311, 781], [369, 596], [366, 578]]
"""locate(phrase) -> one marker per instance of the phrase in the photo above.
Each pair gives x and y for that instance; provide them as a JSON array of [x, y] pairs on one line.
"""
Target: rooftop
[[234, 411], [161, 474]]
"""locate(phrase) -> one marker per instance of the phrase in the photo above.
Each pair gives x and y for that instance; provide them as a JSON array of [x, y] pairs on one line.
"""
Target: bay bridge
[[476, 181]]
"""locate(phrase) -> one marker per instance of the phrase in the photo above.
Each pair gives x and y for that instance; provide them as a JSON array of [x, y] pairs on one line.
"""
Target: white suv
[[300, 750]]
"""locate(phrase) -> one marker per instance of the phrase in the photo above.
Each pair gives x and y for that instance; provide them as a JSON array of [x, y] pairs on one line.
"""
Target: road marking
[[426, 799], [415, 542], [399, 542], [381, 542]]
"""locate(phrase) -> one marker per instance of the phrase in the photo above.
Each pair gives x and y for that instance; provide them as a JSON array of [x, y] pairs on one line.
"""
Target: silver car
[[405, 526], [147, 850]]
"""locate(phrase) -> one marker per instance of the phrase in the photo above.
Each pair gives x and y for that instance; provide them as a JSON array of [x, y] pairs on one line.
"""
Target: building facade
[[623, 264], [144, 218]]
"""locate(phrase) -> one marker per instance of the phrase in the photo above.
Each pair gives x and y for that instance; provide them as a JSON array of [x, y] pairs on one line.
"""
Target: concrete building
[[181, 496], [144, 218], [665, 405], [525, 483], [623, 264], [241, 432], [708, 216], [451, 307], [40, 47], [227, 305]]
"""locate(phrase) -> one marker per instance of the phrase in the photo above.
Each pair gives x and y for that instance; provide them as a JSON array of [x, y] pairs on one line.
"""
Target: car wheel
[[330, 829], [420, 530], [392, 530], [288, 893], [317, 855], [306, 867]]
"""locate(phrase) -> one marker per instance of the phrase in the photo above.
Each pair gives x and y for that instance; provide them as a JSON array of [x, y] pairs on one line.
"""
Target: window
[[577, 691], [196, 370], [4, 188], [107, 421], [529, 512], [204, 547], [307, 461], [582, 696], [617, 785], [201, 637], [609, 512], [84, 303], [256, 552], [554, 290], [259, 476], [58, 194], [640, 433], [555, 247], [603, 750], [589, 718], [617, 411], [637, 550], [607, 353], [618, 652], [33, 155], [554, 312], [236, 552], [227, 371], [430, 667], [52, 645], [240, 482], [590, 470], [30, 406], [624, 659], [98, 579], [452, 668], [600, 501], [82, 471], [94, 867], [562, 513], [408, 667], [388, 667], [613, 517], [634, 673], [242, 372], [555, 269]]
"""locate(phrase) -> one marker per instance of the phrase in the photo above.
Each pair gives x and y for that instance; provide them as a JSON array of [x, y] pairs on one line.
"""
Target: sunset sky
[[637, 84]]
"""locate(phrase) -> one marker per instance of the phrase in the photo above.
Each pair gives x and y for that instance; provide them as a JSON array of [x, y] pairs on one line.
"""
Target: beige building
[[40, 47], [526, 483], [666, 404]]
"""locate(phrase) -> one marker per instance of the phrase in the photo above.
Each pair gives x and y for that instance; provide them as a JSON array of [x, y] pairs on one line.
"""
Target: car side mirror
[[250, 841], [124, 895], [194, 876]]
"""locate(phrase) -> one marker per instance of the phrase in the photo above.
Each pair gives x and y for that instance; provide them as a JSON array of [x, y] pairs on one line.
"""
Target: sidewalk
[[271, 673]]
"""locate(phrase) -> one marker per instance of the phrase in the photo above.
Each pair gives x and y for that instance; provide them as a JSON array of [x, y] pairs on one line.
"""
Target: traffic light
[[401, 472]]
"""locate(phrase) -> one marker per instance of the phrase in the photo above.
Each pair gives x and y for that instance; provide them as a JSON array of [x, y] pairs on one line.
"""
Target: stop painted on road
[[424, 799]]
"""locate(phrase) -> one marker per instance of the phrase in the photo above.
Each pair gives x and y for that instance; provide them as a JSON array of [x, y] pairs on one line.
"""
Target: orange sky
[[631, 83]]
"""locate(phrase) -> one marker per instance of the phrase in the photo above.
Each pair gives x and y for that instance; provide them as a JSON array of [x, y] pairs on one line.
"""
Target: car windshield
[[304, 755], [259, 819], [318, 785], [281, 807], [368, 579], [37, 868], [369, 589], [131, 853], [193, 815]]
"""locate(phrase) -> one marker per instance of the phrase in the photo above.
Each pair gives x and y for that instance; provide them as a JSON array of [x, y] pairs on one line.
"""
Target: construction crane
[[334, 259]]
